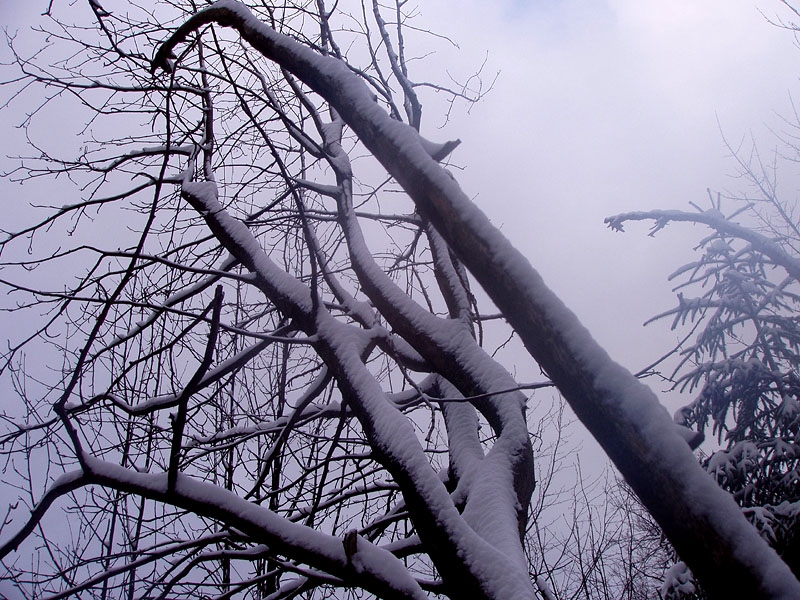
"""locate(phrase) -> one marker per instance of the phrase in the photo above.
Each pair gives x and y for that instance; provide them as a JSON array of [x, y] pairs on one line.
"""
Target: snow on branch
[[716, 221], [65, 484], [379, 570], [703, 522]]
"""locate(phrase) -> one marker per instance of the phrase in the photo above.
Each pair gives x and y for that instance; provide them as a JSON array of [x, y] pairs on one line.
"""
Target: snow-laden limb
[[291, 296], [452, 280], [544, 589], [483, 480], [378, 570], [717, 222], [65, 484], [464, 444], [677, 582], [467, 561], [449, 346], [740, 354], [497, 504], [704, 524]]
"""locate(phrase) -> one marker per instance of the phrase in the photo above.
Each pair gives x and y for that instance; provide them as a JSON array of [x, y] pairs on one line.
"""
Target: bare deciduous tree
[[261, 394]]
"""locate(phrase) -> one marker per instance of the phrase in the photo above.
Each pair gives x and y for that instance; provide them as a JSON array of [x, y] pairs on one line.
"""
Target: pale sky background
[[601, 107]]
